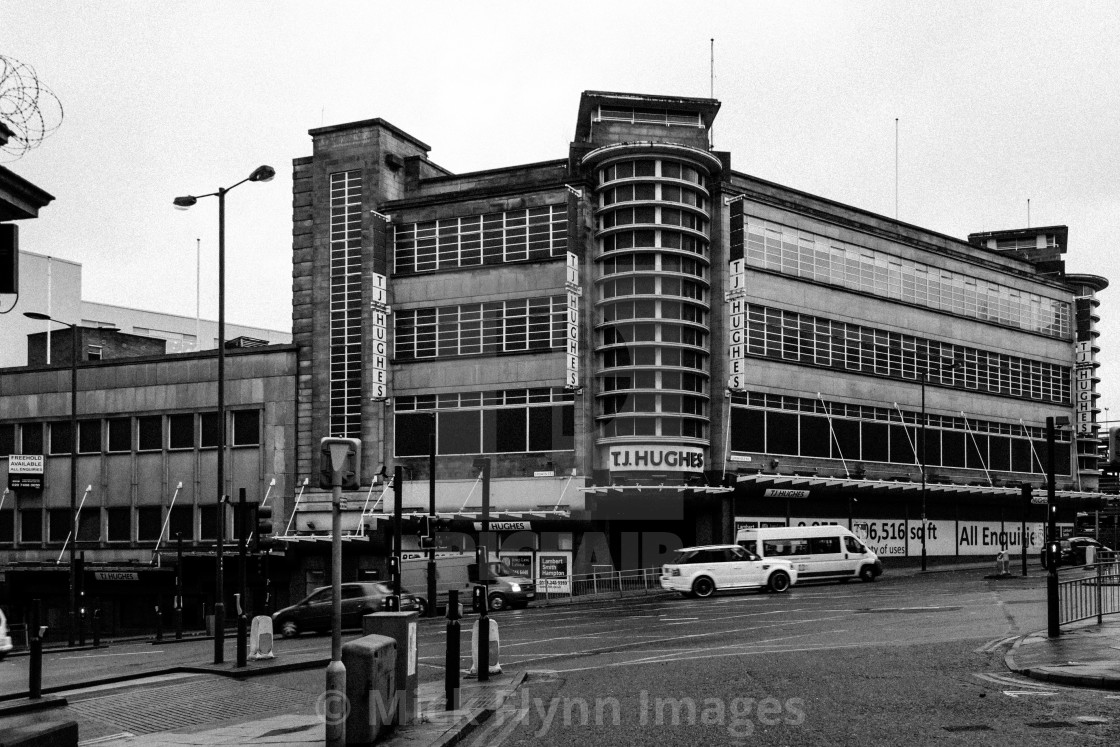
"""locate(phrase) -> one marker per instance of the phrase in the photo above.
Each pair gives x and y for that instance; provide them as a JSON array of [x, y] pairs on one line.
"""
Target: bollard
[[35, 665], [96, 625], [483, 640], [451, 661], [242, 633], [159, 622], [486, 645]]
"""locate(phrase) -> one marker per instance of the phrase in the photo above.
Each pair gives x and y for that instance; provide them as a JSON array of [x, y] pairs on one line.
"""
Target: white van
[[827, 553]]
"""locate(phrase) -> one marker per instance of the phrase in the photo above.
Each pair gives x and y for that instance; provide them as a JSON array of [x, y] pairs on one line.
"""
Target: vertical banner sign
[[737, 324], [571, 372], [379, 338], [1085, 366]]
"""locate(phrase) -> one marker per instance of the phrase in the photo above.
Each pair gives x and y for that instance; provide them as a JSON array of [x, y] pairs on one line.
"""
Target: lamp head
[[185, 201], [38, 315], [262, 174]]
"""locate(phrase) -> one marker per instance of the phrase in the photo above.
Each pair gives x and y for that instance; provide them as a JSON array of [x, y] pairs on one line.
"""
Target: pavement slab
[[1085, 655]]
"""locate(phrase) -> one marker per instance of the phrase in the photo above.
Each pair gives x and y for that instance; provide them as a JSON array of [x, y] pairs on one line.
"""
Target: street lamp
[[922, 449], [72, 596], [260, 174]]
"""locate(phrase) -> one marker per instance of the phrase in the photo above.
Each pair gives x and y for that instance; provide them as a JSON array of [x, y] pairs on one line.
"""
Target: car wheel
[[703, 587], [497, 603], [289, 629], [779, 582], [867, 573]]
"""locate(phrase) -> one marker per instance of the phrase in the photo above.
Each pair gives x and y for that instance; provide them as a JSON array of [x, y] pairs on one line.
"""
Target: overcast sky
[[997, 102]]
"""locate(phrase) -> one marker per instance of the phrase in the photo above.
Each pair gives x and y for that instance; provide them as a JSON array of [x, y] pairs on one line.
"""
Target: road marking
[[994, 644], [109, 738], [1007, 679], [98, 656], [677, 619], [1020, 693]]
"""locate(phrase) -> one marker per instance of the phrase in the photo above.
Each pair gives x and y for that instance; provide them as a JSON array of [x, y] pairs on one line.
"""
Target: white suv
[[699, 571]]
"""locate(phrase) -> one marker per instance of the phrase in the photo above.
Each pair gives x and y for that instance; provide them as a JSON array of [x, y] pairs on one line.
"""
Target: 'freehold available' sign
[[640, 458], [25, 472]]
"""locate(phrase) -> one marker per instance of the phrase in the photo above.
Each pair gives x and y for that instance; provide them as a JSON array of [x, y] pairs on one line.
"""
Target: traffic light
[[394, 566], [427, 532], [262, 535], [1053, 554], [342, 455]]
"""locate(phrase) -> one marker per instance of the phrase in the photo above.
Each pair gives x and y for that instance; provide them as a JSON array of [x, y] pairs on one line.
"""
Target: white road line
[[99, 656]]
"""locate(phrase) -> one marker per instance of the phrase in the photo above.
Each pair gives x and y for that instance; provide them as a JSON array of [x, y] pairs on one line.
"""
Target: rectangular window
[[210, 430], [345, 335], [119, 523], [58, 528], [781, 433], [149, 430], [504, 430], [32, 438], [458, 432], [412, 431], [180, 431], [7, 439], [31, 525], [246, 427], [60, 437], [181, 522], [824, 545], [120, 434], [149, 522], [208, 522], [89, 524], [7, 527], [89, 437]]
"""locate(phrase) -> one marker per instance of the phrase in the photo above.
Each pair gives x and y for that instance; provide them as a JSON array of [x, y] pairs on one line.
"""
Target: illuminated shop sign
[[645, 458], [571, 371], [737, 323], [379, 338]]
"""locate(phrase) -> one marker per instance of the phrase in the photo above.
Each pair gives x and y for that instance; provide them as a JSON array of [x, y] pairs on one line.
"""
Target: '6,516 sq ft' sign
[[25, 472]]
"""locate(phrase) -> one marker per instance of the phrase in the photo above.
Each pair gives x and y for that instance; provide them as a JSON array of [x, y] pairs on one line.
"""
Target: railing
[[1093, 591], [602, 584]]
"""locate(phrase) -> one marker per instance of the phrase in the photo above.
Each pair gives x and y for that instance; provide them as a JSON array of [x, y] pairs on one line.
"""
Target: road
[[914, 659]]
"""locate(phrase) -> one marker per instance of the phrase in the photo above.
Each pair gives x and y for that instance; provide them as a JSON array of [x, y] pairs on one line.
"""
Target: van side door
[[829, 558]]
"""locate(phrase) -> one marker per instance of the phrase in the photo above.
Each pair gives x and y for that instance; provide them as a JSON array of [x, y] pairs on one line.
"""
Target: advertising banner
[[554, 571], [521, 563], [25, 472]]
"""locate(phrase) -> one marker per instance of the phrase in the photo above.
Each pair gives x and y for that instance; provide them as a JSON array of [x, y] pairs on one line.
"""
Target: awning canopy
[[621, 489], [798, 482]]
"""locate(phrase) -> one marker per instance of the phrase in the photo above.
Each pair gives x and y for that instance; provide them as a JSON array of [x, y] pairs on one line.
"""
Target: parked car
[[5, 638], [1073, 551], [358, 599], [701, 571]]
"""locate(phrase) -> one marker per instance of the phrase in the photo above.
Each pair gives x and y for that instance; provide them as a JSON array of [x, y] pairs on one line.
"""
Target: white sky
[[997, 102]]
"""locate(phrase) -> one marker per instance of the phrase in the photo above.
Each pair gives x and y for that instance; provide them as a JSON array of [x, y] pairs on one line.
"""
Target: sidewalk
[[1085, 655]]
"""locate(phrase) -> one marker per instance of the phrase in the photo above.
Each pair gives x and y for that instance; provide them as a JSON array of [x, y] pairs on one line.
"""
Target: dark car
[[1073, 551], [314, 612]]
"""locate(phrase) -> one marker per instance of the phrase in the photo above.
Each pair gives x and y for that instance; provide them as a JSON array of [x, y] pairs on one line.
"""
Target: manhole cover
[[152, 709]]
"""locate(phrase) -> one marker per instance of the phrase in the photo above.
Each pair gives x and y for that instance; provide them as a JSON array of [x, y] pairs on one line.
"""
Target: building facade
[[652, 348]]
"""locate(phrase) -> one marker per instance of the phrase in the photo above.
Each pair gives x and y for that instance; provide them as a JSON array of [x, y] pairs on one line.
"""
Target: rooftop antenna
[[896, 168], [712, 84], [197, 294], [1028, 212]]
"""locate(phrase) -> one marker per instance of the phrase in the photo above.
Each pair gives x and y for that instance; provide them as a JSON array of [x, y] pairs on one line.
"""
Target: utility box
[[401, 627], [371, 690]]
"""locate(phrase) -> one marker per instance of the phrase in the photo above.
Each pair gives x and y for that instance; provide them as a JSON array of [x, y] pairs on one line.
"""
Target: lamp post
[[260, 174], [922, 450], [72, 596]]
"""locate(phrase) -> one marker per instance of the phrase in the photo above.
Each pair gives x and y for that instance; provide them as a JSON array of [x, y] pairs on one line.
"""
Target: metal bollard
[[484, 641], [96, 625], [451, 660], [35, 665], [159, 622]]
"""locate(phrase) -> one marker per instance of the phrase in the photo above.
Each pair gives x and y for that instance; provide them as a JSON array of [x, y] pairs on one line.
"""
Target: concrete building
[[647, 343]]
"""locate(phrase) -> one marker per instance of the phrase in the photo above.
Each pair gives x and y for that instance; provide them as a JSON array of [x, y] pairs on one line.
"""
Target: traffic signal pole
[[242, 616], [431, 609]]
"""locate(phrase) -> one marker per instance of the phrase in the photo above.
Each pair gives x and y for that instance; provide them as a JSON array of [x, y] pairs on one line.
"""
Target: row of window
[[648, 403], [615, 426], [115, 524], [655, 379], [653, 214], [499, 398], [477, 430], [647, 167], [789, 335], [653, 262], [653, 356], [345, 303], [802, 254], [648, 116], [885, 414], [649, 191], [493, 238], [805, 435], [652, 285], [481, 328], [622, 334], [654, 238], [179, 431], [617, 311]]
